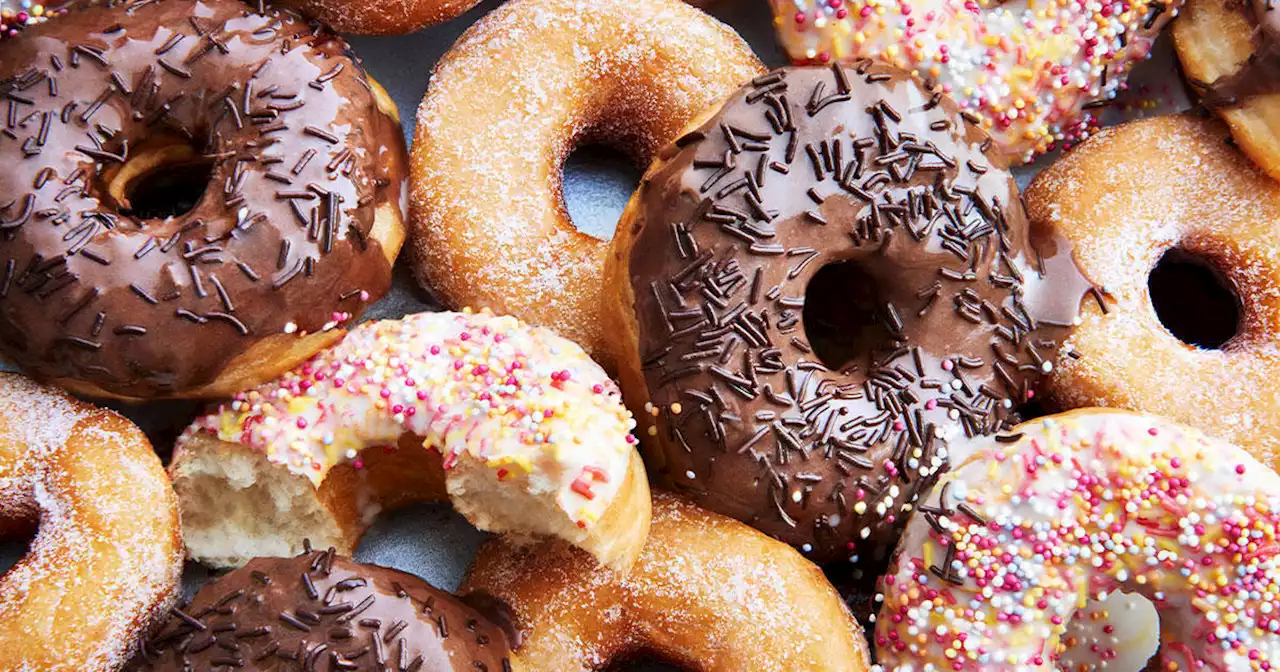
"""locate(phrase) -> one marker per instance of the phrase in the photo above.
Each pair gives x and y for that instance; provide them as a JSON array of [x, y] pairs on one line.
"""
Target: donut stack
[[836, 394]]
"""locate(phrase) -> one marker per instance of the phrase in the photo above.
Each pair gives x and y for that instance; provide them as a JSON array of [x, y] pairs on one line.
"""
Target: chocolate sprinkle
[[829, 456]]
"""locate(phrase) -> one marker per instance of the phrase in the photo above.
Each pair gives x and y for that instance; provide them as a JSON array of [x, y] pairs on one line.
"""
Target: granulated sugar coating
[[1123, 200], [107, 557], [523, 87], [708, 593]]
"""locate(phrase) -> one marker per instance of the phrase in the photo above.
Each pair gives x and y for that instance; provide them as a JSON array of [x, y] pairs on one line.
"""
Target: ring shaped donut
[[1208, 202], [110, 284], [506, 106], [1230, 52], [107, 556], [708, 593], [943, 316], [1032, 527]]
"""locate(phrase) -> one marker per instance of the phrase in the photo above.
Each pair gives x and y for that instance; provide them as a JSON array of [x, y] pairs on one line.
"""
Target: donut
[[196, 200], [1208, 208], [384, 17], [515, 425], [320, 611], [708, 594], [1031, 527], [1230, 53], [106, 558], [1029, 71], [488, 223], [818, 415]]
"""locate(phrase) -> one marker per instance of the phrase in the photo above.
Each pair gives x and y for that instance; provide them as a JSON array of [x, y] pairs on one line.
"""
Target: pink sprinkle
[[1240, 469], [302, 423]]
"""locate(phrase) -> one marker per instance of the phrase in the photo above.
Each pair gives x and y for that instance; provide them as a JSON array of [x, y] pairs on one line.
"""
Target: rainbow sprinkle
[[13, 21], [1034, 527], [1029, 69], [521, 401]]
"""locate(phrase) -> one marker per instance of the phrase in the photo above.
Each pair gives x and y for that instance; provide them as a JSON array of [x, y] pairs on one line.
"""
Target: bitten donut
[[1030, 71], [708, 594], [1031, 527], [1230, 52], [318, 611], [1207, 208], [531, 435], [817, 415], [107, 556], [489, 225], [196, 197], [382, 17]]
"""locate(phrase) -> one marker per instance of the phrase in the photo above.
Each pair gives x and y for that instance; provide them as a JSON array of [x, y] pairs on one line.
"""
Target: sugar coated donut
[[708, 593], [1029, 69], [1230, 52], [489, 223], [107, 556], [532, 436], [380, 17], [196, 196], [945, 314], [319, 611], [1212, 208], [1032, 526]]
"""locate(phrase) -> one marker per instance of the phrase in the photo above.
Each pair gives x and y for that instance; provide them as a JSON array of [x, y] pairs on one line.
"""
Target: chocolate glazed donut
[[290, 161], [848, 211]]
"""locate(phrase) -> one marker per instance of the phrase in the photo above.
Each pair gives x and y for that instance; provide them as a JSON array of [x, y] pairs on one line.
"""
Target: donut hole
[[842, 314], [1194, 300], [1124, 628], [598, 181], [168, 191], [164, 177], [11, 551]]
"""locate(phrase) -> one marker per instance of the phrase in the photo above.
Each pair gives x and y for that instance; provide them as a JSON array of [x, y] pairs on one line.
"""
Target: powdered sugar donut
[[1207, 205], [107, 556], [523, 432], [1029, 70], [506, 106], [1032, 526]]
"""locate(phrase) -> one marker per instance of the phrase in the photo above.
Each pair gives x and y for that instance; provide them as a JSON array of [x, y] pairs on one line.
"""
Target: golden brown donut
[[506, 106], [1121, 216], [107, 556], [380, 17], [1230, 52], [708, 593], [194, 200]]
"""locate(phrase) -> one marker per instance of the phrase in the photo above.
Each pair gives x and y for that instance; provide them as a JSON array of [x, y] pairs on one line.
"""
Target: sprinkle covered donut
[[708, 594], [1032, 526], [1208, 362], [526, 435], [1029, 69], [196, 197], [489, 224], [106, 558], [943, 315], [320, 611]]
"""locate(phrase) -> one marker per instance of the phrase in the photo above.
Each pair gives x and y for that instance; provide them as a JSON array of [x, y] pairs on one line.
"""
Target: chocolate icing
[[301, 159], [803, 168], [326, 613], [1260, 75]]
